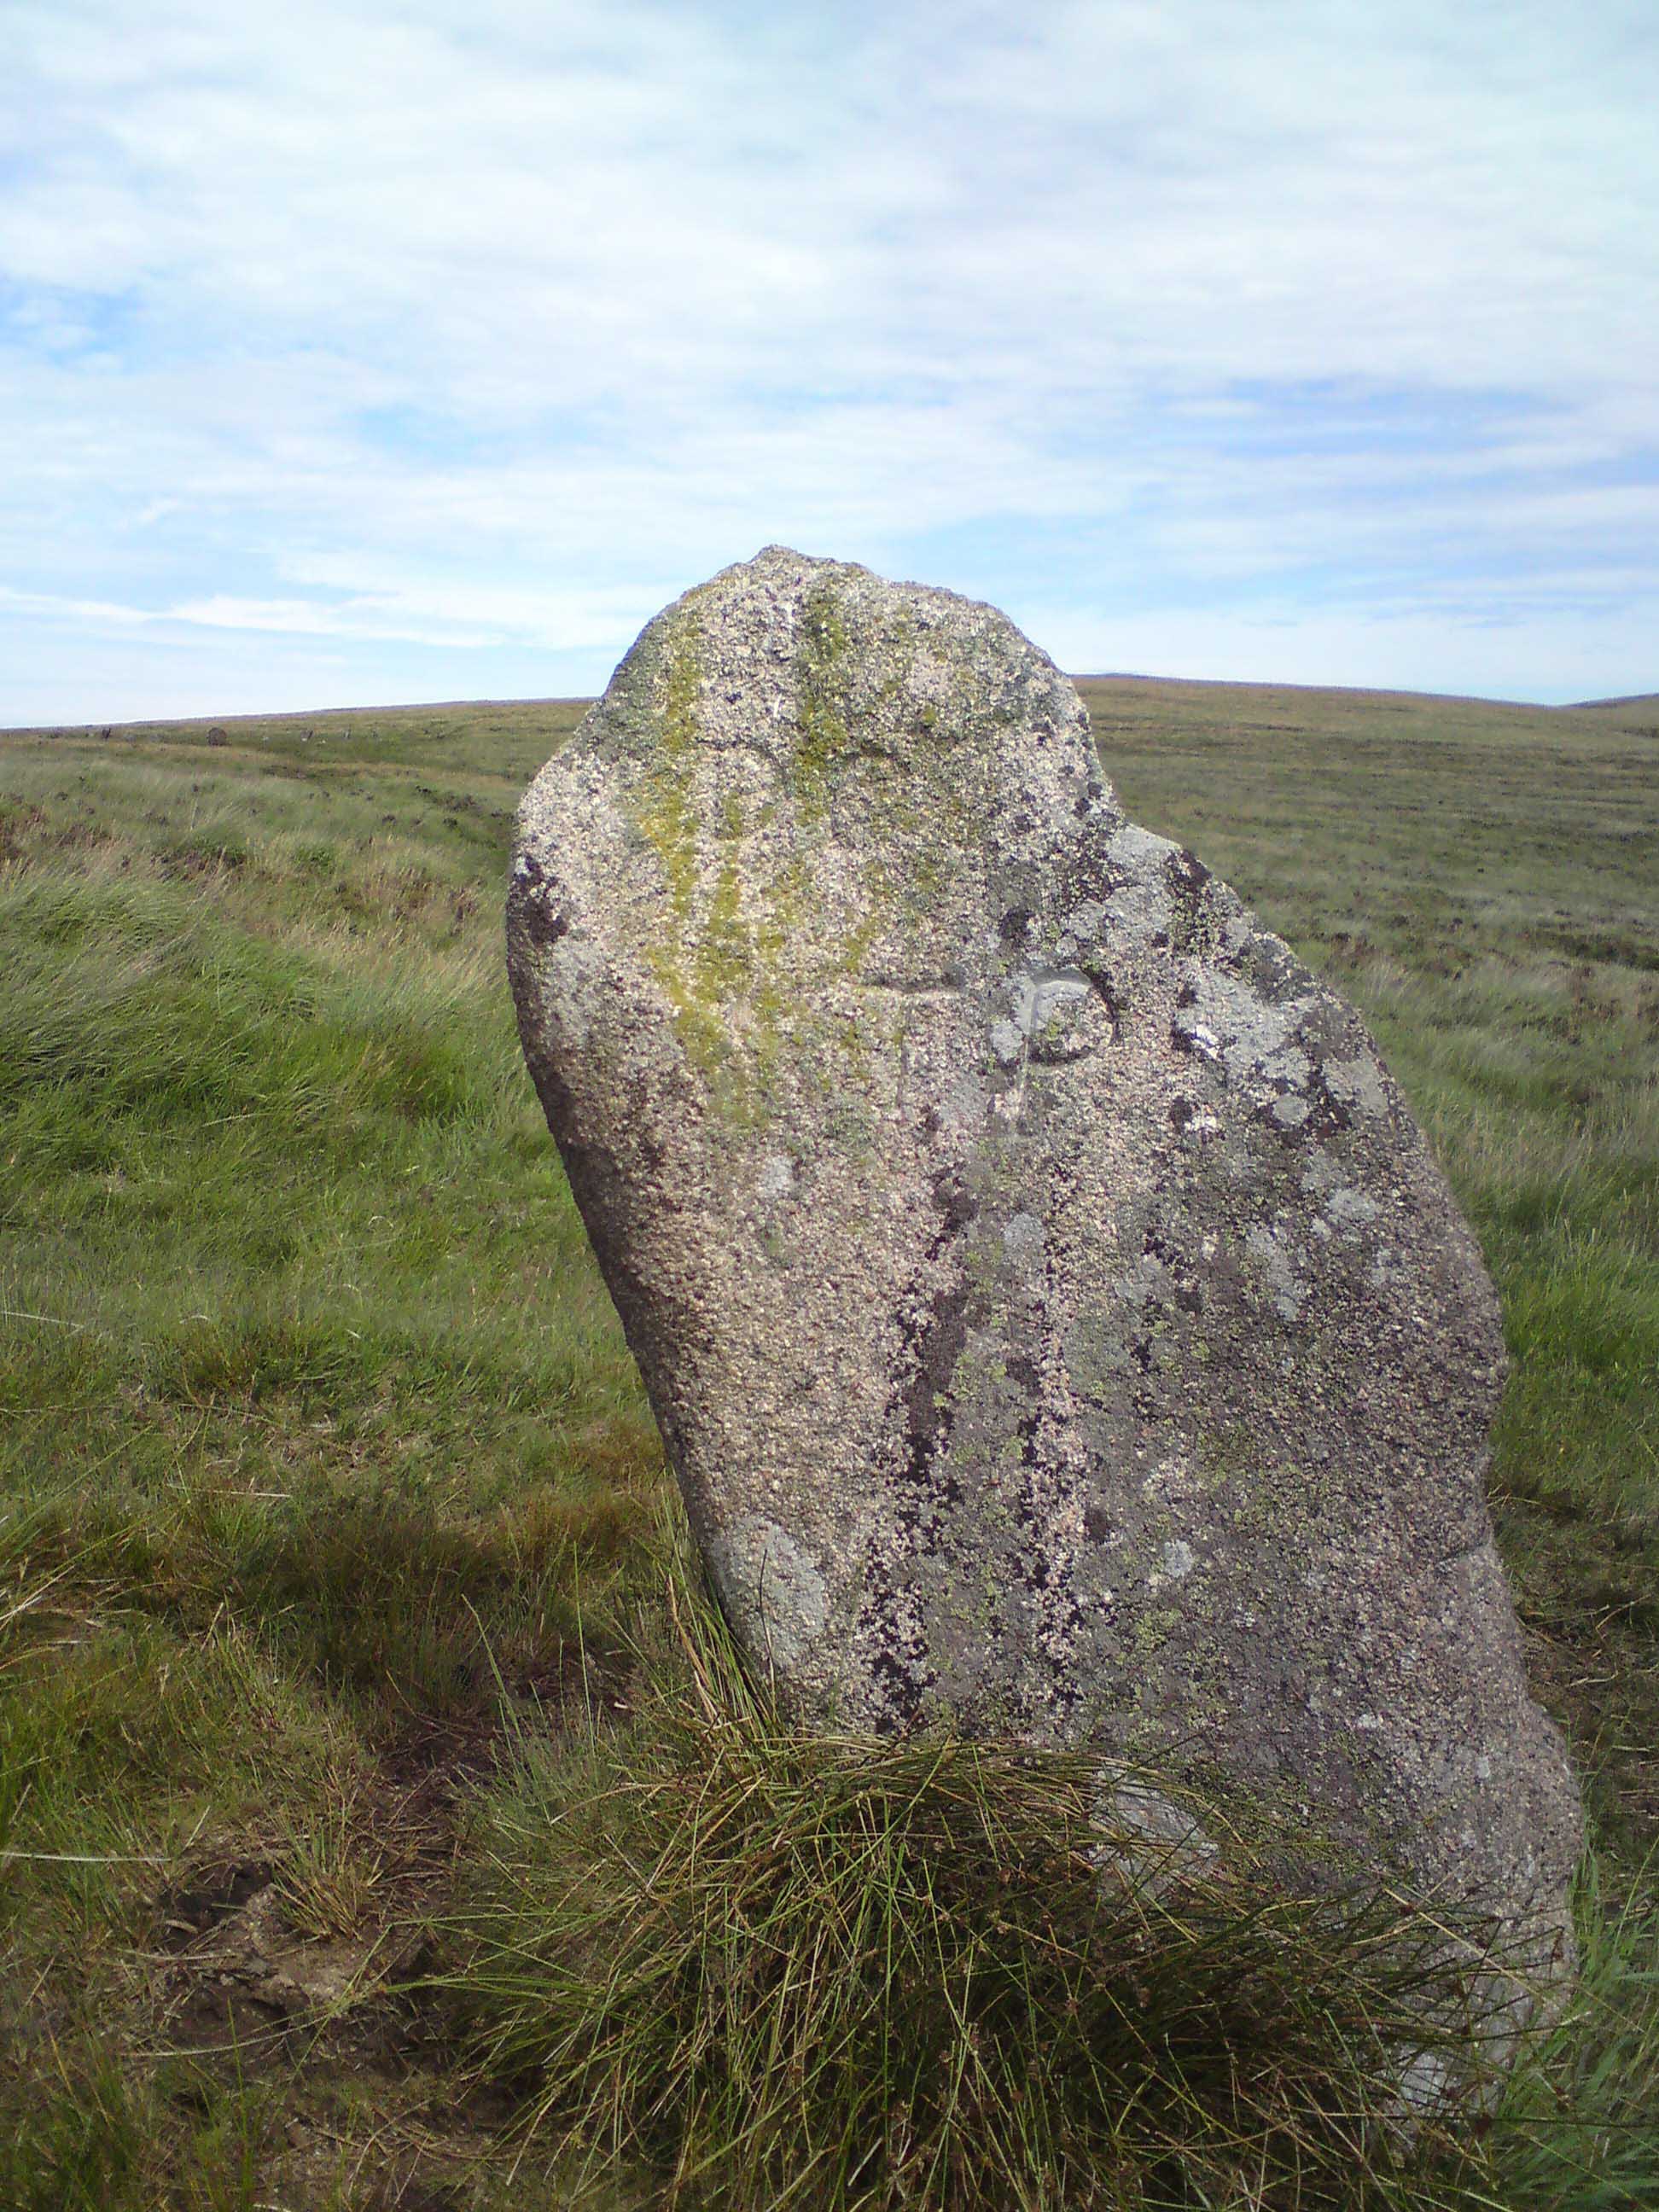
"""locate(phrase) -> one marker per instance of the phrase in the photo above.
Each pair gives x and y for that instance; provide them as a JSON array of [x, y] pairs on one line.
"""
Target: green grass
[[766, 1968], [328, 1499]]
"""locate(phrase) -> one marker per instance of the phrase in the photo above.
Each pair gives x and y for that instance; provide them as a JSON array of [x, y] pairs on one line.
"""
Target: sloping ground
[[326, 1483], [1640, 716]]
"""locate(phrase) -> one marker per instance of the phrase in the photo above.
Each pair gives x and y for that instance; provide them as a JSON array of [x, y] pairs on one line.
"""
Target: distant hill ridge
[[332, 725]]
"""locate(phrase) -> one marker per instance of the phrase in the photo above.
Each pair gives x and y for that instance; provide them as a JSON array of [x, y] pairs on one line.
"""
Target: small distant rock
[[217, 736], [1054, 1318]]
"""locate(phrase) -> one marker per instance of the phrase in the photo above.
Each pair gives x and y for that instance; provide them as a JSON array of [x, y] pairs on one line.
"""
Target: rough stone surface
[[1054, 1315]]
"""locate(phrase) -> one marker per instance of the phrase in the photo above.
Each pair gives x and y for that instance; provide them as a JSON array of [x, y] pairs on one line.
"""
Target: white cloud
[[95, 614], [451, 326]]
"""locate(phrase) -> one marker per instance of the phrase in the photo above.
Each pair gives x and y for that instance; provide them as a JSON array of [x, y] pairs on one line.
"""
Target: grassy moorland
[[329, 1503]]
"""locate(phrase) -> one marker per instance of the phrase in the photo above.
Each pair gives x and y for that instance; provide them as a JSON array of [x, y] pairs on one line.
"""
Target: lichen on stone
[[1012, 1231], [824, 703]]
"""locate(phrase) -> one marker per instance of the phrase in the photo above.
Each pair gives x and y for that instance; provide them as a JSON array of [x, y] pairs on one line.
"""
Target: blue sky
[[355, 352]]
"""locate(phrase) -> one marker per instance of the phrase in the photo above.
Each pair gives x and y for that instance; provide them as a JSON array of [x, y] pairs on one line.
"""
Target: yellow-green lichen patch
[[1154, 1629], [700, 967], [746, 952], [665, 813], [724, 960], [823, 688]]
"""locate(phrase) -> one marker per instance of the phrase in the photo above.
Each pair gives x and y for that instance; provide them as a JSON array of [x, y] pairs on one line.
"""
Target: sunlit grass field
[[331, 1506]]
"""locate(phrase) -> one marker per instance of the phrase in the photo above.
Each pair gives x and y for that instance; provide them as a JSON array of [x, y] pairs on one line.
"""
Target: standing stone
[[1053, 1314]]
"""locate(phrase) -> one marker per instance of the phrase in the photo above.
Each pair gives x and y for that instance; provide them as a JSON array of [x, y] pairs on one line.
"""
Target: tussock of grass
[[776, 1968]]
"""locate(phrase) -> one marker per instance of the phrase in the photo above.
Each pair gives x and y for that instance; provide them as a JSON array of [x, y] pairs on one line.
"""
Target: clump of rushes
[[735, 1963]]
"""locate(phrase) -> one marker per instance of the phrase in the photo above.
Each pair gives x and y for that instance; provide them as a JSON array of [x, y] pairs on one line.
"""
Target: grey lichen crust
[[1055, 1318]]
